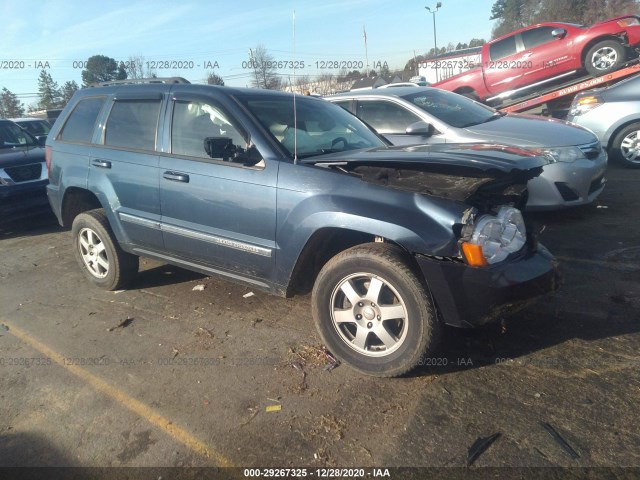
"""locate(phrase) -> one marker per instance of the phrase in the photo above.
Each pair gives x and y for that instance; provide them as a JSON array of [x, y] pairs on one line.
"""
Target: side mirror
[[41, 140], [249, 157], [420, 128], [220, 147], [223, 147], [558, 33]]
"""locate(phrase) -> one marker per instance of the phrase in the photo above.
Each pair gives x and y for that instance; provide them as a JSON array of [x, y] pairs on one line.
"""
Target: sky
[[60, 35]]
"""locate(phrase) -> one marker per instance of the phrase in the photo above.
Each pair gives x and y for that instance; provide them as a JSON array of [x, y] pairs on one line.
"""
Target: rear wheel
[[373, 312], [98, 253], [626, 146], [604, 57]]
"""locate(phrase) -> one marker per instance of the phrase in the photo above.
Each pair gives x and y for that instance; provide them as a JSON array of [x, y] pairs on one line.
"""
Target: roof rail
[[130, 81]]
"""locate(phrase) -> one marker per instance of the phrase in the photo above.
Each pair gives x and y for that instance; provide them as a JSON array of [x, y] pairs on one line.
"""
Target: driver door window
[[194, 122], [386, 117]]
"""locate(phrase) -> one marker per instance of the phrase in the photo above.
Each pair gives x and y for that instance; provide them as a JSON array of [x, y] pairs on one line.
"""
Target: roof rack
[[130, 81]]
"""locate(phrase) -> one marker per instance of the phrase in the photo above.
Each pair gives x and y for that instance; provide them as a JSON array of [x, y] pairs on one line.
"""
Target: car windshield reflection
[[454, 110], [316, 128]]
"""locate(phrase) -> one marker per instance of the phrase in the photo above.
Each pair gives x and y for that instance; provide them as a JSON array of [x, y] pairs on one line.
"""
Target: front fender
[[418, 223]]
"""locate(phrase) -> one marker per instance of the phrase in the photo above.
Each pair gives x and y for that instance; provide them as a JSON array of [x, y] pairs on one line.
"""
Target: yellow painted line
[[127, 401]]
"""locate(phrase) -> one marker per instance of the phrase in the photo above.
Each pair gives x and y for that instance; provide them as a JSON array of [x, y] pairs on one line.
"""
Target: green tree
[[10, 106], [48, 91], [102, 69], [68, 89], [385, 72], [477, 42], [214, 79], [513, 14], [122, 72]]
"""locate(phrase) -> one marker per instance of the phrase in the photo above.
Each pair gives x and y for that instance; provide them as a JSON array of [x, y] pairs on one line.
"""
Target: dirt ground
[[165, 375]]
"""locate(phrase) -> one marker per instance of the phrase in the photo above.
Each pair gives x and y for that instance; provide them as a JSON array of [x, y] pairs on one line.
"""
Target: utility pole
[[366, 53], [435, 39]]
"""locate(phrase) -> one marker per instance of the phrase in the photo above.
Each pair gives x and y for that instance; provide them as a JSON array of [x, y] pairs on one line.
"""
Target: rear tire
[[604, 57], [98, 253], [625, 147], [374, 312]]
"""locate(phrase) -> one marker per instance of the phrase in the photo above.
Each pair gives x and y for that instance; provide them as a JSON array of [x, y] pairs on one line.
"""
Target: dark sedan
[[23, 172]]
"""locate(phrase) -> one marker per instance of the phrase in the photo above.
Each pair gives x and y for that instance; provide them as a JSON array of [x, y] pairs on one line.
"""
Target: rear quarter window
[[82, 120]]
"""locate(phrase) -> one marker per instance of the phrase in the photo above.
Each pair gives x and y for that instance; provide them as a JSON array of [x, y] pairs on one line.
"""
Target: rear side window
[[344, 104], [133, 124], [80, 124], [503, 48]]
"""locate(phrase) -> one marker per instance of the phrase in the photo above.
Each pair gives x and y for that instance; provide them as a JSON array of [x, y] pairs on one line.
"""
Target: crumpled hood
[[531, 131], [482, 175], [10, 157]]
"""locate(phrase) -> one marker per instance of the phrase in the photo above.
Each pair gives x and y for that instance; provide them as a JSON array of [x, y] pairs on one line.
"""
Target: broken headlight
[[495, 237]]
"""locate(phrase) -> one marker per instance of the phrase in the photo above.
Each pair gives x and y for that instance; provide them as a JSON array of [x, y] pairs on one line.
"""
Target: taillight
[[47, 156]]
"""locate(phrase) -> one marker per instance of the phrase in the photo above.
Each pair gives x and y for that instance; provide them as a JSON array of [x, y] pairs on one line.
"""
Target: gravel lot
[[165, 375]]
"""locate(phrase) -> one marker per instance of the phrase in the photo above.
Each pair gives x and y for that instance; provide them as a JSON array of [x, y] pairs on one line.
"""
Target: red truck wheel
[[604, 57]]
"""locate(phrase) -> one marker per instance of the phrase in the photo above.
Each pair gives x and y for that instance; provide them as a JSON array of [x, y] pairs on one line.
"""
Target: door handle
[[101, 163], [176, 177]]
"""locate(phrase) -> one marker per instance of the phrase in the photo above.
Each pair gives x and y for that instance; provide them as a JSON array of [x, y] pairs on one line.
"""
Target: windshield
[[36, 127], [11, 136], [319, 128], [451, 108]]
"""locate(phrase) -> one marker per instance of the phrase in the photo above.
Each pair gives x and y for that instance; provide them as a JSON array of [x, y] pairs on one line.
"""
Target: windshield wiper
[[494, 116]]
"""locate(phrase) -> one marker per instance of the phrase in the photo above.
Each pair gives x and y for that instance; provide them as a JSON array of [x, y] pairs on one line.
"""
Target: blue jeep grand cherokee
[[290, 193]]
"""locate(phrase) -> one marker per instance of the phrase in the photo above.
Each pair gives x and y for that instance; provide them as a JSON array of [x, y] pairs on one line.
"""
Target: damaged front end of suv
[[491, 264]]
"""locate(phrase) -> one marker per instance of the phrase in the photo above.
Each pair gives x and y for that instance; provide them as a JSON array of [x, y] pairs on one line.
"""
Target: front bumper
[[18, 201], [472, 296], [567, 184]]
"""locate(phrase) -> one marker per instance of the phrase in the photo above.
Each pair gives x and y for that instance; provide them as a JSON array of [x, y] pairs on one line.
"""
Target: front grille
[[24, 173], [591, 150]]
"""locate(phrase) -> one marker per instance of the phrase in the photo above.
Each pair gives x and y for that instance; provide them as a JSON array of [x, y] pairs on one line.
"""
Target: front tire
[[604, 57], [626, 146], [98, 253], [373, 311]]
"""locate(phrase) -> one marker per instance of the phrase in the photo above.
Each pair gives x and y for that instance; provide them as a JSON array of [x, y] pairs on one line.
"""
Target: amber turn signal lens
[[588, 100], [473, 254]]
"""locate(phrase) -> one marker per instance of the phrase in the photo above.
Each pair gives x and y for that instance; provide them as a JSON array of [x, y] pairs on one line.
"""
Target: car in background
[[23, 172], [519, 62], [399, 84], [613, 114], [420, 80], [37, 127], [424, 115]]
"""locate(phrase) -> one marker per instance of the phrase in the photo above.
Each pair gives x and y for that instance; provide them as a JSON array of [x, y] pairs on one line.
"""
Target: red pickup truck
[[518, 62]]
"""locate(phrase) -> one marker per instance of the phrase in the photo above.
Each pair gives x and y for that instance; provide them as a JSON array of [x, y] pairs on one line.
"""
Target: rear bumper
[[472, 296]]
